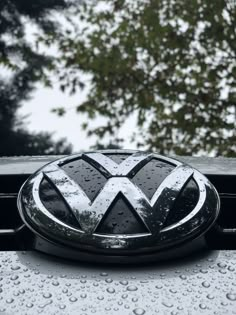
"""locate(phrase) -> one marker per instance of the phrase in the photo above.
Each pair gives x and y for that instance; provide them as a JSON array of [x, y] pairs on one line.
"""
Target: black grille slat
[[9, 217], [11, 225], [227, 217]]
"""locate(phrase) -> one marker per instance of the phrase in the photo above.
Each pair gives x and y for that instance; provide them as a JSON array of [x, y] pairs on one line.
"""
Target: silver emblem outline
[[61, 231]]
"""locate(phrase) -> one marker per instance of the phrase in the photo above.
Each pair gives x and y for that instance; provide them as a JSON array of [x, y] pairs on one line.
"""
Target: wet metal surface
[[30, 164], [33, 283]]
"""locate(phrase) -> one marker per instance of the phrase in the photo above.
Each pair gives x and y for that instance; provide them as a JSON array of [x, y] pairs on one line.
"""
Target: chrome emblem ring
[[99, 203]]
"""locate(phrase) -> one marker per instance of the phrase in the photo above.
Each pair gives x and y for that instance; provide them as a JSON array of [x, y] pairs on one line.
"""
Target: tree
[[172, 64], [26, 67], [109, 146]]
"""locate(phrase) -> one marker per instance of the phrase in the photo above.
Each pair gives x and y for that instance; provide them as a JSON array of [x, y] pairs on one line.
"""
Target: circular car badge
[[118, 206]]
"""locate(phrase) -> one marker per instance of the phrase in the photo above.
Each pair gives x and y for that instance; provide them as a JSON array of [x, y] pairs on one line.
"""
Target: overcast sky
[[42, 119]]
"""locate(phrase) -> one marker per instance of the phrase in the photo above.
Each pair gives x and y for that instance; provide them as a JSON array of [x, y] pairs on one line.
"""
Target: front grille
[[11, 225], [14, 171]]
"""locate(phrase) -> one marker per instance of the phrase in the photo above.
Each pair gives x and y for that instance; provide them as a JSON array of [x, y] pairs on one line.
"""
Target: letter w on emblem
[[89, 213]]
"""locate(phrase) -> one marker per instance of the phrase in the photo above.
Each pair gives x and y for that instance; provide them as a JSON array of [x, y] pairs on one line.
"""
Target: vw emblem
[[118, 206]]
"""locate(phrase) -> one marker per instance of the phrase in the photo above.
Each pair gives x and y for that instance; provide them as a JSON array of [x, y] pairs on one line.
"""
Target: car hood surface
[[34, 283]]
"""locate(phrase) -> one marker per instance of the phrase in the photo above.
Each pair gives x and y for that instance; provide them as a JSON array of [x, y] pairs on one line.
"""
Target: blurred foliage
[[171, 64], [26, 67], [109, 146]]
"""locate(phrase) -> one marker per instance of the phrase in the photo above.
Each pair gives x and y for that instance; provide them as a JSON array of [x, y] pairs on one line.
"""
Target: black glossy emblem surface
[[118, 206]]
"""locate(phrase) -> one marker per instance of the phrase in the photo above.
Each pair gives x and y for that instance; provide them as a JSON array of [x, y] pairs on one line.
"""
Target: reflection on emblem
[[118, 204]]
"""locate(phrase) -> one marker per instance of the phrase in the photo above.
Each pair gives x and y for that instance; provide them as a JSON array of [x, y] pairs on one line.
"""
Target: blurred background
[[154, 75]]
